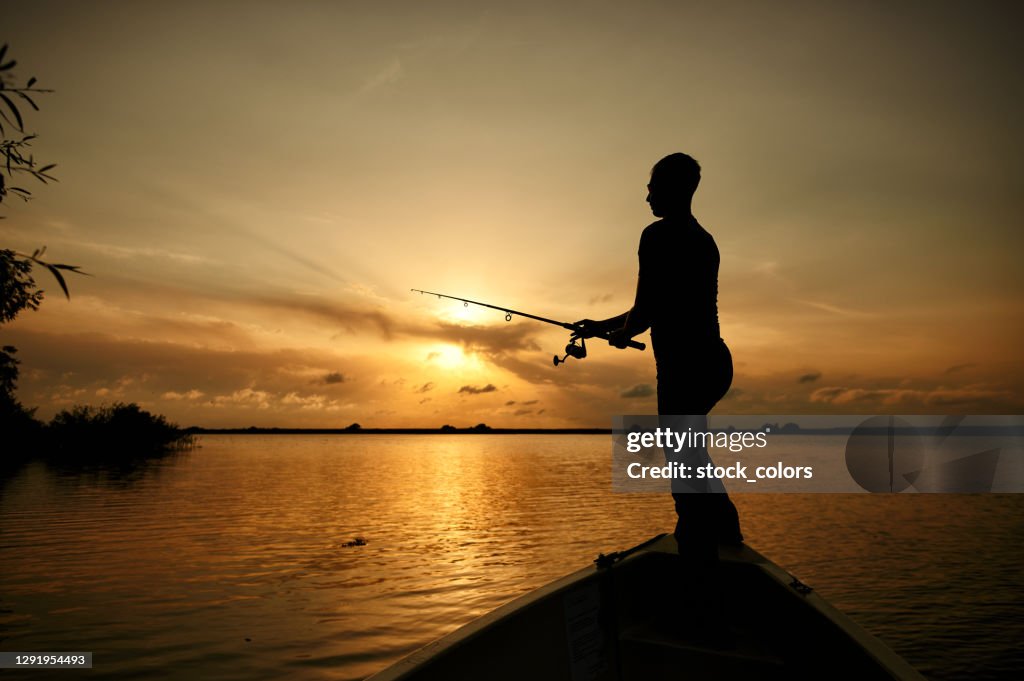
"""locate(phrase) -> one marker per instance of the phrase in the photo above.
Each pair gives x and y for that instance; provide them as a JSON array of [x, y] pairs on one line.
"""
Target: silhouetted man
[[677, 298]]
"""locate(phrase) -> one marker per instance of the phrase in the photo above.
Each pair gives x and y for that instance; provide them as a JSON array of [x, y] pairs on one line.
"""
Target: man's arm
[[637, 320], [622, 327], [633, 321]]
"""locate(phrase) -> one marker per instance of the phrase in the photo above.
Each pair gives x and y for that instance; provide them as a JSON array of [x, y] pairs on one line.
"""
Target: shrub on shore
[[88, 434], [121, 429]]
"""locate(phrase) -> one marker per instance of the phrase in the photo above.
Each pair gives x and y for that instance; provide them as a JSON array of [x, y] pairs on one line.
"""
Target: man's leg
[[716, 513]]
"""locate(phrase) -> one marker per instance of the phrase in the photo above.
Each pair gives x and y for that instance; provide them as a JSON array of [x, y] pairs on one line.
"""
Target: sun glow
[[464, 314], [447, 356]]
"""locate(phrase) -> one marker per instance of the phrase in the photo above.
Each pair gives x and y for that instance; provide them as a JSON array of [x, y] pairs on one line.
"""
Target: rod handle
[[631, 344]]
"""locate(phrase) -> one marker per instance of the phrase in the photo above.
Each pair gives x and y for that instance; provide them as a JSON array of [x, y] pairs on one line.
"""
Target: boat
[[617, 620]]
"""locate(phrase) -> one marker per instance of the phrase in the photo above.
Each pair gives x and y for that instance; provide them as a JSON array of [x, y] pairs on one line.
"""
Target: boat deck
[[628, 618]]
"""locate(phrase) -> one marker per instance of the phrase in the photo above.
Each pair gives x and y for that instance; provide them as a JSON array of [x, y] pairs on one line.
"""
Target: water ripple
[[237, 560]]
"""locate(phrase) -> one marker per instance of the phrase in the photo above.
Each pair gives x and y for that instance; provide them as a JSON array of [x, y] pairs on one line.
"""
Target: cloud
[[311, 402], [426, 387], [491, 340], [959, 367], [474, 390], [637, 391], [389, 73], [190, 395], [334, 377], [246, 396], [510, 403], [487, 339], [201, 385], [123, 252], [607, 297], [360, 315], [229, 318], [912, 397], [836, 309], [349, 318], [828, 394], [809, 378]]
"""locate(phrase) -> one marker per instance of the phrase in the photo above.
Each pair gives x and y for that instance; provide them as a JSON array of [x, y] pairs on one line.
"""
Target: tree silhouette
[[18, 290], [120, 429]]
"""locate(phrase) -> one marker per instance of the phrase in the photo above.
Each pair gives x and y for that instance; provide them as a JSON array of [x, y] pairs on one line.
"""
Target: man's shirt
[[677, 290]]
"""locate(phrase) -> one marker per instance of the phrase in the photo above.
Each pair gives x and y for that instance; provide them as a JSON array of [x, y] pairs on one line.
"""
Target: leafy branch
[[15, 280], [14, 153], [53, 267]]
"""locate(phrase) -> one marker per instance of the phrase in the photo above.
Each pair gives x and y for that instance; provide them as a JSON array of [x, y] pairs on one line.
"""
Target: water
[[231, 561]]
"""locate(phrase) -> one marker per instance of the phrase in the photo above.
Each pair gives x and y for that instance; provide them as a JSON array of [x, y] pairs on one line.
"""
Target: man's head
[[674, 179]]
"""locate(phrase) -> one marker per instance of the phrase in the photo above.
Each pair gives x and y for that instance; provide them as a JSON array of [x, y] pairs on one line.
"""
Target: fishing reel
[[577, 348]]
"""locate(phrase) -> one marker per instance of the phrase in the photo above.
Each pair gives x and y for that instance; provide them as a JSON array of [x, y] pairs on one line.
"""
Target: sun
[[462, 314], [447, 356]]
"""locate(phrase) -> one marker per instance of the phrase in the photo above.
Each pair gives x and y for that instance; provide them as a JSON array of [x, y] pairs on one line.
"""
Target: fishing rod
[[577, 346]]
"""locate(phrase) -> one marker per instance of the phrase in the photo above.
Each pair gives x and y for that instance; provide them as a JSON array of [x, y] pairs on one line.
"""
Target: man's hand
[[587, 328], [619, 339]]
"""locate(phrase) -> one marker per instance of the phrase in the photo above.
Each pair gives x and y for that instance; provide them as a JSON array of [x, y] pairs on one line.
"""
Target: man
[[677, 298]]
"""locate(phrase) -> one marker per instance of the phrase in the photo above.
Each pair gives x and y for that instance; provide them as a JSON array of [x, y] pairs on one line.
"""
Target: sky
[[254, 188]]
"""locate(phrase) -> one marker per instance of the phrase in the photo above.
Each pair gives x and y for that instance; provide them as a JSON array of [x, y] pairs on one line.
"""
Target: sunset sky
[[256, 186]]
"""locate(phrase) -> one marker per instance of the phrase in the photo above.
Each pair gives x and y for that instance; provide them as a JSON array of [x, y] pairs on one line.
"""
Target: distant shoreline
[[195, 430], [969, 431]]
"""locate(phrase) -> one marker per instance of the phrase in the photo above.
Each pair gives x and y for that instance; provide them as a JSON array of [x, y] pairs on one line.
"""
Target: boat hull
[[626, 619]]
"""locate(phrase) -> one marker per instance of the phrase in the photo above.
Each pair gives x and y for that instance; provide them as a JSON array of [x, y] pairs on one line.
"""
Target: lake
[[237, 560]]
